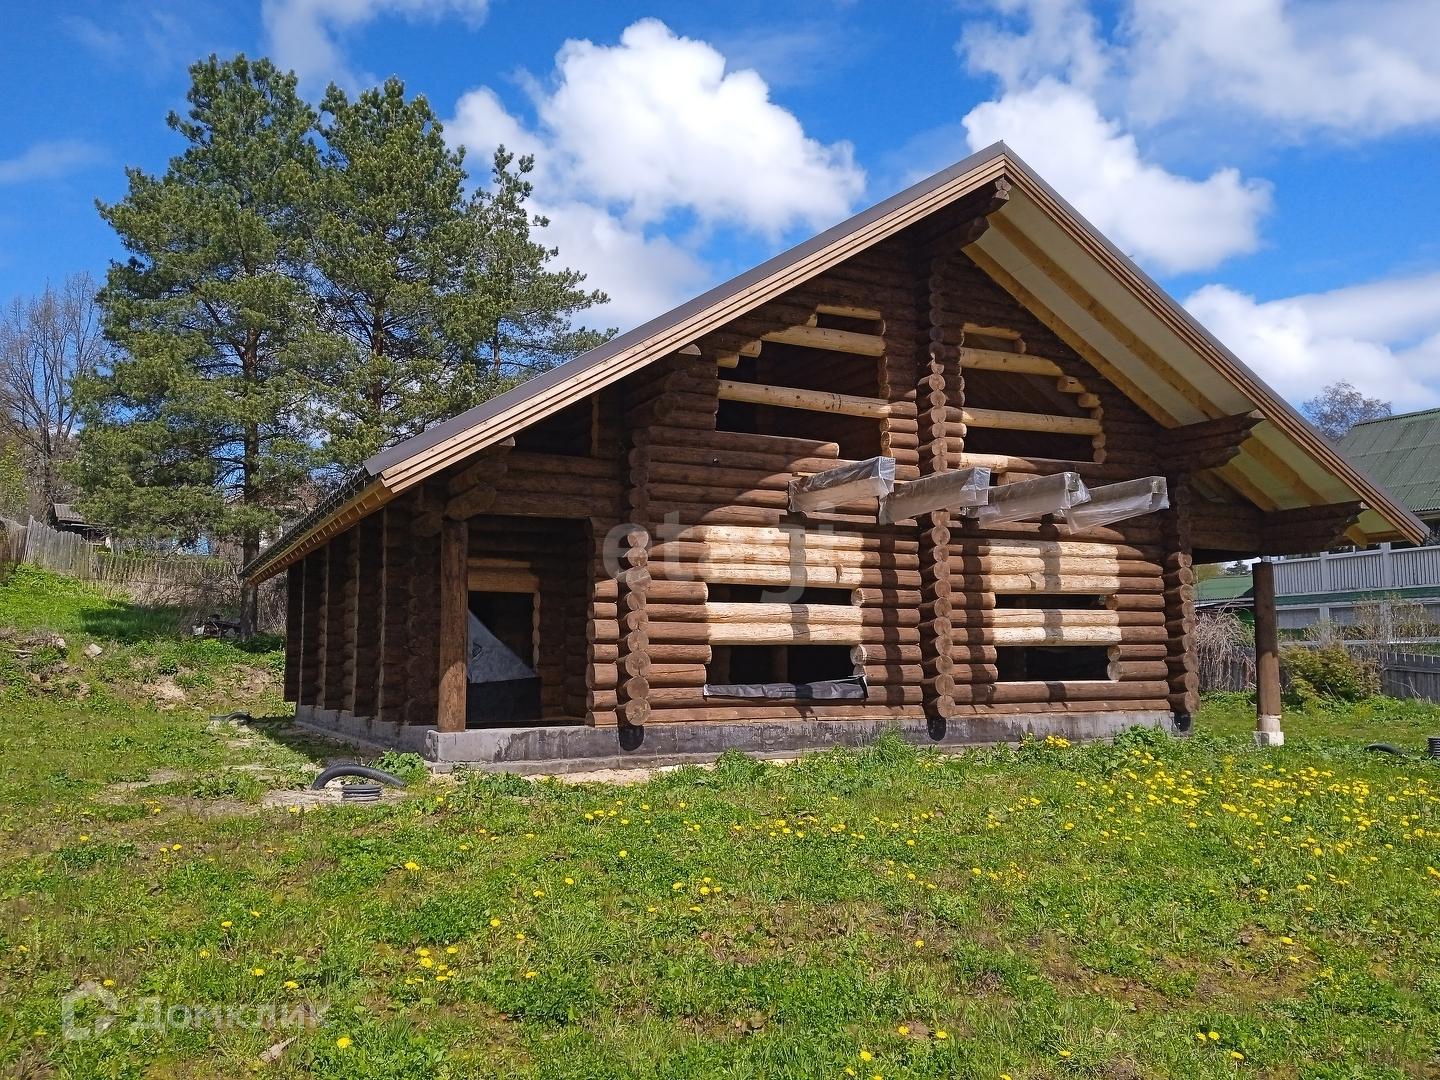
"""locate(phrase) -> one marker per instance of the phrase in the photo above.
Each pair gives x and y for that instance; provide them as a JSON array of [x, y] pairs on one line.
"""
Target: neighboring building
[[65, 517], [626, 558], [1403, 454]]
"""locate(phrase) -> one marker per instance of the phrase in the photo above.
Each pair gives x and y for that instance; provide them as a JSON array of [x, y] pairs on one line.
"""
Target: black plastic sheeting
[[851, 689]]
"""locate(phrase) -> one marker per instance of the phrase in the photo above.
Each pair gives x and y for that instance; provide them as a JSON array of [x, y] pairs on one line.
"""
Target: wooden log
[[1138, 670], [812, 400], [677, 675], [1016, 363], [678, 697], [770, 710], [1025, 692], [779, 633], [815, 337], [1135, 602], [668, 653], [872, 539], [454, 625], [1267, 648], [1022, 421], [741, 442], [1009, 584], [873, 652], [780, 575]]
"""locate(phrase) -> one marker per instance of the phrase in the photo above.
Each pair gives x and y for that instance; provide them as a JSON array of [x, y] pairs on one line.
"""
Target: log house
[[620, 528]]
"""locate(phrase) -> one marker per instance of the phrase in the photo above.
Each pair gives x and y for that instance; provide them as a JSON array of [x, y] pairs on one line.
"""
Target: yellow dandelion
[[1064, 1053], [426, 962], [258, 972], [941, 1035], [531, 974], [538, 892], [623, 853], [1215, 1036], [865, 1055], [225, 925], [494, 922], [343, 1041], [903, 1029], [204, 954], [919, 944], [291, 984], [1237, 1055], [451, 949], [108, 982], [412, 866], [569, 881], [519, 937]]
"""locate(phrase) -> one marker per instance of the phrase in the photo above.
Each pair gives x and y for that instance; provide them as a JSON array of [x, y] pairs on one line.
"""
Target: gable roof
[[1403, 453], [1041, 251]]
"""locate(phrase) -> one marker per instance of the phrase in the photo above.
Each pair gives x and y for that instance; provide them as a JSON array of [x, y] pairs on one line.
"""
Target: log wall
[[644, 555]]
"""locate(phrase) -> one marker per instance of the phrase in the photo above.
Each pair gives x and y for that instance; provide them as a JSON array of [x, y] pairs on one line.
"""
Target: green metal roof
[[1224, 587], [1402, 453]]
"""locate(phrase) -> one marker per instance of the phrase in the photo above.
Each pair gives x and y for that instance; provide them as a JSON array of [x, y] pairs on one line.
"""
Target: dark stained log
[[394, 601], [422, 630], [294, 627], [369, 612], [351, 614], [1267, 657], [454, 625], [312, 630], [1179, 594], [1208, 444], [1307, 528], [332, 686]]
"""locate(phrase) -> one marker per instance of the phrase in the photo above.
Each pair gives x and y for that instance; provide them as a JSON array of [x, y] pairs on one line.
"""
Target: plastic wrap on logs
[[1054, 494], [1118, 502], [836, 487]]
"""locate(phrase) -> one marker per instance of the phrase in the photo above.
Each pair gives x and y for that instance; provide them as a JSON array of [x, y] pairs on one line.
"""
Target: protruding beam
[[1019, 363], [949, 490], [1208, 444], [1118, 502], [868, 479], [1052, 494], [1022, 421], [1307, 528]]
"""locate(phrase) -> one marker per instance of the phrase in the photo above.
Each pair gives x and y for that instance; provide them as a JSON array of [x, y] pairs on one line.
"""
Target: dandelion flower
[[255, 914], [519, 937], [530, 974], [225, 925], [451, 949], [343, 1041], [623, 853], [108, 982], [539, 892], [426, 962], [291, 984], [1215, 1035], [941, 1035], [1237, 1055], [569, 881], [204, 954], [258, 972], [919, 944], [494, 922], [412, 866], [865, 1055], [903, 1029], [1064, 1053]]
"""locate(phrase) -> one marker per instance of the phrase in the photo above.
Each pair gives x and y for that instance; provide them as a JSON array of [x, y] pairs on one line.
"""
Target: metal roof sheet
[[1403, 454]]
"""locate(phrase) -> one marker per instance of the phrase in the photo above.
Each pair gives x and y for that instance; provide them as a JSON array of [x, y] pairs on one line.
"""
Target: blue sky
[[1274, 165]]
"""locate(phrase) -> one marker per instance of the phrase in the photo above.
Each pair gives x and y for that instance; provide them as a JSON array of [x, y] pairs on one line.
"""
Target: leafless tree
[[46, 342], [1339, 407]]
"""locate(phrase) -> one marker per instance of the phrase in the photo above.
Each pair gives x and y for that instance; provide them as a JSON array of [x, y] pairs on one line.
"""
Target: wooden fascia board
[[366, 502], [1249, 386], [410, 471]]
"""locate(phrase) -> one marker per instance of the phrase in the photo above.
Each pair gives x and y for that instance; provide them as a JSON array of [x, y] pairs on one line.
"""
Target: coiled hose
[[355, 770]]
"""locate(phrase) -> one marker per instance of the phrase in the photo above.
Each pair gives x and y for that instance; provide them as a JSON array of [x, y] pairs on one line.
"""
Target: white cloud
[[653, 134], [303, 33], [1356, 67], [1382, 338], [1359, 66], [1168, 222], [45, 160]]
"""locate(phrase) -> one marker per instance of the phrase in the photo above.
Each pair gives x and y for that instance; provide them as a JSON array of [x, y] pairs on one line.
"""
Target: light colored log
[[781, 576], [1020, 421], [800, 554], [845, 311], [1005, 333], [1031, 617], [724, 614], [503, 580], [815, 337], [1092, 690], [747, 536], [1019, 363], [1051, 635], [1004, 584], [788, 397]]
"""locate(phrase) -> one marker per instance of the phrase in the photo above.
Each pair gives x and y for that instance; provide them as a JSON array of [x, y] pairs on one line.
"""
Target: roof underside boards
[[1040, 251], [1403, 453]]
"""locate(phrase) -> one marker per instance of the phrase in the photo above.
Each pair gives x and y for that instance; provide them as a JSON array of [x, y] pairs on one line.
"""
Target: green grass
[[1055, 911]]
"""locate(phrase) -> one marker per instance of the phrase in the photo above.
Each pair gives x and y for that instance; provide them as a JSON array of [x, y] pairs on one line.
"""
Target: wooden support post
[[312, 629], [368, 613], [394, 601], [1267, 658], [332, 683], [294, 627], [454, 624]]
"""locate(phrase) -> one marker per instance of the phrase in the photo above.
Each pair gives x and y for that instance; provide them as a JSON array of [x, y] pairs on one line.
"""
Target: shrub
[[1330, 671]]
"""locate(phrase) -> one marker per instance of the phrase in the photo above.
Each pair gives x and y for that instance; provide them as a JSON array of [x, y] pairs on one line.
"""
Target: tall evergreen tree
[[429, 301], [194, 427]]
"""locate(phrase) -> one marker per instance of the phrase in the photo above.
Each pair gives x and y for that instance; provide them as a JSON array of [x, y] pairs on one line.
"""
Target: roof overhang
[[1039, 249]]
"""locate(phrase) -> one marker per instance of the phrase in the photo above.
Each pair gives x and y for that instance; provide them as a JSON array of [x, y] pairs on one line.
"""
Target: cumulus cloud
[[303, 33], [1168, 222], [1357, 67], [654, 134], [1383, 338], [46, 160]]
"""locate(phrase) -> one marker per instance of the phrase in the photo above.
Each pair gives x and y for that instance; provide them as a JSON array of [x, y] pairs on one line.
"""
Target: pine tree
[[194, 428], [429, 301]]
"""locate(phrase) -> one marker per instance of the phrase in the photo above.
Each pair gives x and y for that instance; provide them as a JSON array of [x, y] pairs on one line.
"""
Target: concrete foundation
[[578, 748]]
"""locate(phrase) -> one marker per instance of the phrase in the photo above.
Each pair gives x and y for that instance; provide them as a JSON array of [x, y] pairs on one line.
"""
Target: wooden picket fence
[[148, 579], [1410, 675]]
